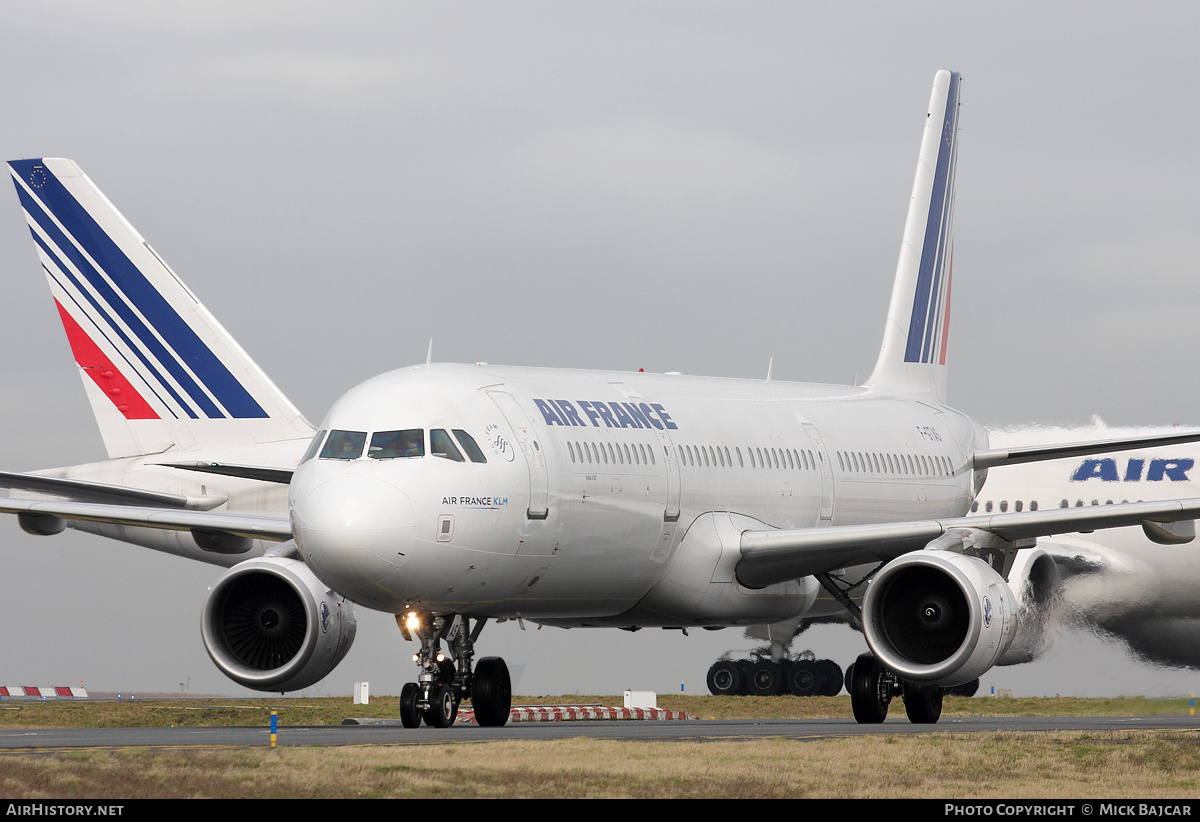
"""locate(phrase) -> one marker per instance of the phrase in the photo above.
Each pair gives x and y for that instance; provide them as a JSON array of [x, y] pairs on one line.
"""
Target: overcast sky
[[683, 186]]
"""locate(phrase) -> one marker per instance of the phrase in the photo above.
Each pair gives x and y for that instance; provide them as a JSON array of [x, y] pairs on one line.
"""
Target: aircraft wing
[[1036, 453], [777, 556], [248, 526]]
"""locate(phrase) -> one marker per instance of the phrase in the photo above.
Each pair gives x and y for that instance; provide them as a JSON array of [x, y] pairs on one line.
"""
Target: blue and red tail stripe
[[931, 301], [119, 295], [103, 372]]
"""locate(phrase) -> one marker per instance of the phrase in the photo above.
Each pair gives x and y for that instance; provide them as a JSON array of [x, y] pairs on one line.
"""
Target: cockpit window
[[440, 445], [344, 445], [313, 447], [387, 445], [468, 444]]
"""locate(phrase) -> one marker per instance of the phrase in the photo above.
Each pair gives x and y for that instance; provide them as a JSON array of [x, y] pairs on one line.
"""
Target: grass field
[[147, 713], [1002, 765]]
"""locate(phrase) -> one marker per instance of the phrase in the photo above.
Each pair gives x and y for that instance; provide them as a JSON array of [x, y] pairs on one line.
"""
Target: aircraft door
[[535, 455], [826, 517], [671, 464]]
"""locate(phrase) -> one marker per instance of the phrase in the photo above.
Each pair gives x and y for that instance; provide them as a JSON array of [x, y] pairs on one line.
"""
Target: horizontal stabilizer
[[272, 529]]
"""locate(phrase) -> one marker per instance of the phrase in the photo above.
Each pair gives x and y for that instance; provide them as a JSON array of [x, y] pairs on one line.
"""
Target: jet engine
[[1037, 582], [939, 617], [269, 624]]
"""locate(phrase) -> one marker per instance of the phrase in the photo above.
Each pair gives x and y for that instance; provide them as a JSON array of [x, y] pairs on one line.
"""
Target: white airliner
[[1118, 582], [449, 495]]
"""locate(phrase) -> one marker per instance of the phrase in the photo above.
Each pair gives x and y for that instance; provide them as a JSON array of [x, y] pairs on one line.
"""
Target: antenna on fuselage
[[770, 363], [429, 353]]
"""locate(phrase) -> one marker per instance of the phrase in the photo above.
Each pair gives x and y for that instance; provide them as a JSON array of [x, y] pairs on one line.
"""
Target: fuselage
[[587, 482], [1121, 570]]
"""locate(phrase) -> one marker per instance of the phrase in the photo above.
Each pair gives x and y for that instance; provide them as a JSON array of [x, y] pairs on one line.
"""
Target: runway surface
[[14, 740]]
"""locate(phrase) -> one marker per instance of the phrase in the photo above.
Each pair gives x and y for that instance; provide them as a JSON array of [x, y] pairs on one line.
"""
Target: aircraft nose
[[353, 530]]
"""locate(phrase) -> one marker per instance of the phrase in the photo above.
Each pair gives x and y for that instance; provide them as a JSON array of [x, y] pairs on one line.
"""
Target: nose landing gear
[[445, 680]]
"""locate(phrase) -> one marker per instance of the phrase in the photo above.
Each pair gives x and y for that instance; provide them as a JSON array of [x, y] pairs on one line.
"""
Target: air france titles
[[605, 414], [1135, 470]]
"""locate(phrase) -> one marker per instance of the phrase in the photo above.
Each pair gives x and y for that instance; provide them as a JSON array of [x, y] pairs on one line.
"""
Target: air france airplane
[[450, 495], [1137, 587]]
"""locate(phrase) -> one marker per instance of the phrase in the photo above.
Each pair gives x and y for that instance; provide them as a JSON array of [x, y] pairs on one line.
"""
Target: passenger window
[[440, 445], [344, 445], [313, 447], [474, 454], [387, 445]]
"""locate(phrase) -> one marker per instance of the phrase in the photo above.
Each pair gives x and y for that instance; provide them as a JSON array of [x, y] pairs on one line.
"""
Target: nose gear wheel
[[446, 679]]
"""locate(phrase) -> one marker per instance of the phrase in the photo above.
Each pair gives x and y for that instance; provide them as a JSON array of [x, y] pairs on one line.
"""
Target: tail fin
[[912, 359], [160, 371]]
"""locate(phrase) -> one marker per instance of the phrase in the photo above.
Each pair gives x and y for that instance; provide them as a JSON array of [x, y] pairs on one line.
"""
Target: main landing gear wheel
[[766, 678], [870, 691], [763, 675], [410, 713], [725, 678], [922, 703], [805, 679], [832, 674], [491, 692], [443, 706]]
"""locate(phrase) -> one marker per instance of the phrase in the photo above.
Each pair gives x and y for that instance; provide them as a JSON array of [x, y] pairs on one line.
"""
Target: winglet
[[912, 359]]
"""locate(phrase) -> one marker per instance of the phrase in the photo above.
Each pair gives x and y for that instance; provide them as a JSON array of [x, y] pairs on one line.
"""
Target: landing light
[[414, 621]]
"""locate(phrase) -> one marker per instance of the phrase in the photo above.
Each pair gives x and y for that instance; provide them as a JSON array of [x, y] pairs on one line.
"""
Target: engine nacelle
[[1037, 586], [269, 624], [939, 617]]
